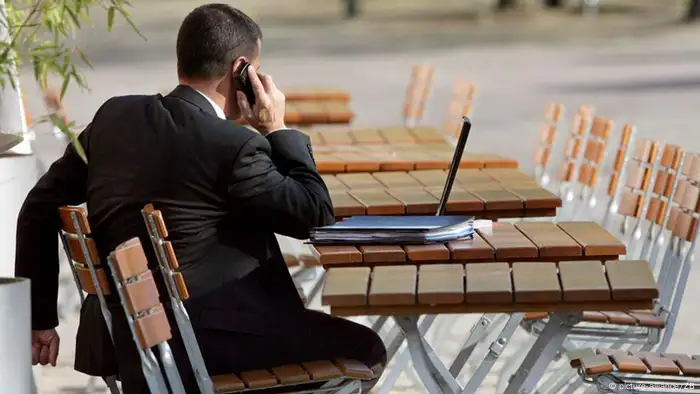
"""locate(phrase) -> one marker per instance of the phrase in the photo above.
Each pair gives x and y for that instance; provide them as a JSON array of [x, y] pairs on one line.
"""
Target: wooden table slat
[[396, 179], [356, 181], [432, 252], [382, 254], [631, 280], [441, 284], [536, 283], [550, 239], [460, 200], [488, 283], [393, 285], [430, 178], [417, 201], [346, 286], [498, 198], [475, 249], [535, 197], [508, 242], [583, 281], [345, 205], [595, 240], [379, 202]]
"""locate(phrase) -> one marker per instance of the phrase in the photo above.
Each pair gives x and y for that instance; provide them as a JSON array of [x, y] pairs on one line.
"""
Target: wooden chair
[[460, 105], [417, 94], [593, 156], [146, 316], [85, 265], [337, 376], [547, 135], [620, 371], [574, 145]]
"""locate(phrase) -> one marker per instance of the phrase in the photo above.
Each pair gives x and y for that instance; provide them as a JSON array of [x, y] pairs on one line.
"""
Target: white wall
[[18, 175]]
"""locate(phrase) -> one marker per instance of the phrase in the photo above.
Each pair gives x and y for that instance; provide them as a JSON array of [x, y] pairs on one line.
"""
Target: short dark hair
[[211, 37]]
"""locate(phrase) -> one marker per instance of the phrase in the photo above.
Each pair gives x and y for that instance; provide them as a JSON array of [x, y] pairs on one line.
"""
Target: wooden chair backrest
[[547, 135], [81, 249], [139, 294], [685, 204], [460, 105], [594, 153], [637, 178], [574, 144], [417, 93]]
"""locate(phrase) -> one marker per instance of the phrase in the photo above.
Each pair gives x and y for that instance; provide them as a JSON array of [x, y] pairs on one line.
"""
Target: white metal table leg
[[479, 331], [542, 353], [433, 374], [495, 351]]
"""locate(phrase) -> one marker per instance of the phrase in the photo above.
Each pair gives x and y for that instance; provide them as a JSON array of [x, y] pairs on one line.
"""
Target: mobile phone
[[246, 87]]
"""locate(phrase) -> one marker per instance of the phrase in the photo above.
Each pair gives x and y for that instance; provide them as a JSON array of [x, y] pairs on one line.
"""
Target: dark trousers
[[318, 337]]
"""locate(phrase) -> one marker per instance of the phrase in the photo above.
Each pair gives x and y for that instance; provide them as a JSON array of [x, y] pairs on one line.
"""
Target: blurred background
[[635, 61]]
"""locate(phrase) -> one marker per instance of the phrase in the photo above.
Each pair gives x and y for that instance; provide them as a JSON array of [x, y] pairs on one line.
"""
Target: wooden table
[[489, 193], [307, 113], [316, 93], [519, 242], [409, 289]]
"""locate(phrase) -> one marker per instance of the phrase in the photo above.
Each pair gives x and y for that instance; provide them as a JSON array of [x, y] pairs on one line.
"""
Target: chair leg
[[111, 382]]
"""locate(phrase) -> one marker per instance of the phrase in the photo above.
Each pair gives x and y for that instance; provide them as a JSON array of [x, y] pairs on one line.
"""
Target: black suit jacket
[[224, 191]]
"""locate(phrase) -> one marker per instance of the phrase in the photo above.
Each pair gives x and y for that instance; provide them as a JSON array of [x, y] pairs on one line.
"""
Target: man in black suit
[[224, 190]]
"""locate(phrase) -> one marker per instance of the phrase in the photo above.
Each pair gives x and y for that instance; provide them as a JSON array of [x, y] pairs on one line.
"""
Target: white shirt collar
[[219, 112]]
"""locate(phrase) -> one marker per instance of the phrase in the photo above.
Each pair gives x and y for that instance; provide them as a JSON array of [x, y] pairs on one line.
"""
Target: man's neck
[[209, 91]]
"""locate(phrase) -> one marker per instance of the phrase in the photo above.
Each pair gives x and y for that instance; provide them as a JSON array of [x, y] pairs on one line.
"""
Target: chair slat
[[354, 369], [258, 379], [595, 240], [688, 366], [536, 283], [322, 370], [441, 284], [227, 383], [631, 280], [625, 362], [142, 294], [583, 281], [393, 285], [488, 284], [658, 365], [152, 328], [290, 374], [346, 286], [550, 239]]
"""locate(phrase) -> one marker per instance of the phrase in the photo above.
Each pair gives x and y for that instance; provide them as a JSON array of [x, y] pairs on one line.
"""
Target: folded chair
[[85, 266], [337, 376], [619, 163], [618, 371], [574, 145], [594, 155], [417, 94], [545, 142], [145, 316], [460, 105]]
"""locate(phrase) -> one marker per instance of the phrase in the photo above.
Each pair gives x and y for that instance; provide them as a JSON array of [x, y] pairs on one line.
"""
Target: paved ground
[[634, 66]]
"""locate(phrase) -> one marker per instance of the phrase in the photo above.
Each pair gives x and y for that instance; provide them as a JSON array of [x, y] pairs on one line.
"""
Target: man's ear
[[237, 64]]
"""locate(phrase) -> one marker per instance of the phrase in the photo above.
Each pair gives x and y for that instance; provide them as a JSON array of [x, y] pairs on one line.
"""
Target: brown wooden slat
[[379, 202], [689, 366], [508, 242], [257, 379], [625, 362], [647, 320], [337, 137], [595, 240], [620, 318], [290, 374], [359, 181], [428, 134], [382, 254], [329, 164], [583, 281], [536, 283], [346, 286], [475, 249], [393, 285], [397, 179], [469, 177], [441, 284], [417, 201], [631, 280], [345, 205], [367, 136], [432, 252], [354, 369], [596, 364], [550, 239], [336, 254], [430, 178], [488, 284], [322, 370], [227, 383], [460, 200], [397, 135], [536, 198], [358, 163], [657, 364], [498, 199], [595, 317], [333, 183]]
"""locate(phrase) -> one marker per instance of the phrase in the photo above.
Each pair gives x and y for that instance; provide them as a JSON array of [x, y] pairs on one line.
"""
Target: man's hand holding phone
[[267, 114]]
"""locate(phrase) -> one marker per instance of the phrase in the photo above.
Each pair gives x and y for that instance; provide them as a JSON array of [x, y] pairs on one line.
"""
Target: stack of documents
[[395, 230]]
